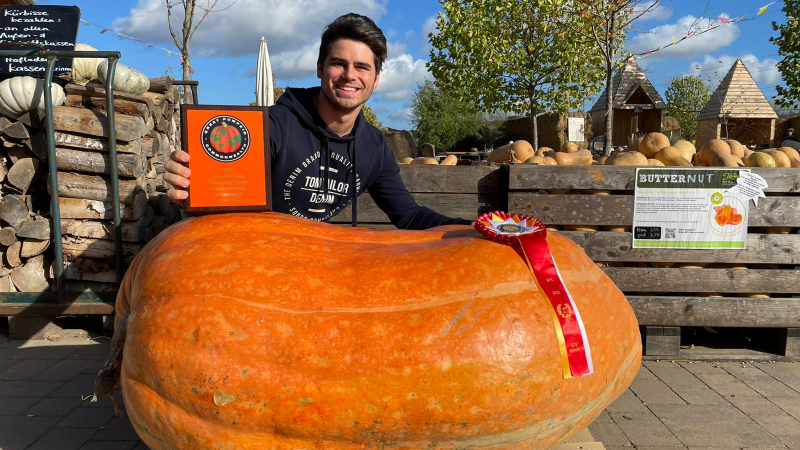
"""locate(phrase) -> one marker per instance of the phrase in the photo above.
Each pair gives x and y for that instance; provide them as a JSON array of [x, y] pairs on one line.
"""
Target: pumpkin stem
[[108, 378], [224, 125]]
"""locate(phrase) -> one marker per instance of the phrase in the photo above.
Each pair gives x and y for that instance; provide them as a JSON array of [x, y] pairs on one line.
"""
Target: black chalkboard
[[52, 27]]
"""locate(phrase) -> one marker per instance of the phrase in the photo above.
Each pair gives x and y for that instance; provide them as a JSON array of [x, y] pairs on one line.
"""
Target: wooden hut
[[637, 106], [737, 110]]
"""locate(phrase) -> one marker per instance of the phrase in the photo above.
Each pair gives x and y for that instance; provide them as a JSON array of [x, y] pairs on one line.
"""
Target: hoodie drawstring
[[355, 183], [324, 166]]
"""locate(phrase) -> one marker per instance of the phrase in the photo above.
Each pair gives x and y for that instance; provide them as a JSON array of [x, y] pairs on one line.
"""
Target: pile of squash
[[523, 152], [450, 160], [653, 149]]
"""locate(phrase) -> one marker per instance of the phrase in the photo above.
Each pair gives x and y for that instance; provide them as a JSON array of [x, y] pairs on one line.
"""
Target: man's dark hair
[[357, 28]]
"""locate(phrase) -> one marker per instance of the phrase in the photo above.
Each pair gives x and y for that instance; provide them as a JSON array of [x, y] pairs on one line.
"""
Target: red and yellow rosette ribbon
[[527, 236]]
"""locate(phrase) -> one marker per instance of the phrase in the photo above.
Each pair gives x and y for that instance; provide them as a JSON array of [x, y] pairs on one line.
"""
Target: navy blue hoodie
[[312, 167]]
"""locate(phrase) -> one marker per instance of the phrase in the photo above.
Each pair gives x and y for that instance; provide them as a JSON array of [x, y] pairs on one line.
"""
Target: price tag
[[750, 186]]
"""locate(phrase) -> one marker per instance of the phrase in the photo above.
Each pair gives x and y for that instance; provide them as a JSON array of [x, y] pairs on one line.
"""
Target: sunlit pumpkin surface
[[265, 331]]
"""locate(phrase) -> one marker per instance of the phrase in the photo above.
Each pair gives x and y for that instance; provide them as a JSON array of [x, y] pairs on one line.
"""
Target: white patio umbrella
[[264, 83]]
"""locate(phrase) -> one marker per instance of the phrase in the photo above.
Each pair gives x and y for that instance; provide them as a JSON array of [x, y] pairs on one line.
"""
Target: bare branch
[[207, 12], [634, 16], [169, 6]]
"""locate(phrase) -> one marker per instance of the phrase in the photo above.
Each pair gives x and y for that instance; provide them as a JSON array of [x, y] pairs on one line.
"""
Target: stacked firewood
[[146, 133]]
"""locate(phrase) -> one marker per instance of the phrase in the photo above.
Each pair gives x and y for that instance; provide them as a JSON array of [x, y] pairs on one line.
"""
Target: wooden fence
[[758, 287]]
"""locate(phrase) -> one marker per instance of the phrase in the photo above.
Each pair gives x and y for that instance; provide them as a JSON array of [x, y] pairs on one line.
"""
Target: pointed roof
[[625, 83], [738, 96]]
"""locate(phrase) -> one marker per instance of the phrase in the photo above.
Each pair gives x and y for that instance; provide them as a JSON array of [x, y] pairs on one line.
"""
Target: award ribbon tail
[[576, 357]]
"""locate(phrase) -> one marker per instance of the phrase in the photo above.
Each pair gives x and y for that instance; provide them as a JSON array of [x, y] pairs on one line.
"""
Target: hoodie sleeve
[[275, 135], [391, 195]]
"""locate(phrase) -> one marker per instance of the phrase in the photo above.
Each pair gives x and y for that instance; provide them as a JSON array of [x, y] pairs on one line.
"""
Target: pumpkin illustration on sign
[[225, 139], [727, 215]]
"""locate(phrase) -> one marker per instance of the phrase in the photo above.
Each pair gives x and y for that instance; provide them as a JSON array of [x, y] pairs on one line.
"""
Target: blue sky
[[224, 48]]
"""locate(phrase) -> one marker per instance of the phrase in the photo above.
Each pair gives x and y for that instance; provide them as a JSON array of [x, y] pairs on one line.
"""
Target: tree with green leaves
[[370, 117], [513, 56], [686, 96], [604, 24], [443, 118], [609, 22], [788, 42]]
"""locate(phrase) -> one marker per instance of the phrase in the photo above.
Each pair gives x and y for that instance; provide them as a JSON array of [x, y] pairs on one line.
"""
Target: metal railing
[[27, 303], [191, 83]]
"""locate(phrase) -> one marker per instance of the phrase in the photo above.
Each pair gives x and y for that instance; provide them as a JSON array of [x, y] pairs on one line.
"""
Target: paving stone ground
[[45, 389]]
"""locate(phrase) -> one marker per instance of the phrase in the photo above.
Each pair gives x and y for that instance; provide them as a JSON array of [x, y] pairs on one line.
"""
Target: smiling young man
[[323, 152]]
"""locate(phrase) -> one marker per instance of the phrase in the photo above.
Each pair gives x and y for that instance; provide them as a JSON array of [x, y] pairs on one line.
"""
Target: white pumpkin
[[19, 95], [84, 69], [126, 79]]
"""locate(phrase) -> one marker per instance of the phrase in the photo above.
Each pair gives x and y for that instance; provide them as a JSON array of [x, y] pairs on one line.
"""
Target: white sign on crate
[[575, 129], [697, 208]]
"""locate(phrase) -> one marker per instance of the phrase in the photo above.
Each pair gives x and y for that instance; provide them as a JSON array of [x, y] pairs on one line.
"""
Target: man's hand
[[177, 174]]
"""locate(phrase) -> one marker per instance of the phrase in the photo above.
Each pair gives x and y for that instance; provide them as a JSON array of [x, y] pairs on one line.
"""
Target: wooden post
[[792, 342], [664, 341]]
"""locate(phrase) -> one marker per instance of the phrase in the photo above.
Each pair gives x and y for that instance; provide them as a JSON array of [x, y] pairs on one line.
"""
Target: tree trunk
[[611, 53], [187, 32], [609, 138], [534, 126]]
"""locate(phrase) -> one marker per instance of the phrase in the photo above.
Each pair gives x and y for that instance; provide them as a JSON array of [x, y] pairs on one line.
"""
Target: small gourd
[[84, 69], [425, 161], [19, 95], [450, 160], [126, 79]]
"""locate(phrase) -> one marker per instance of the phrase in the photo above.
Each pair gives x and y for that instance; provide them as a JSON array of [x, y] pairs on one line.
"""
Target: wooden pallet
[[668, 298], [583, 440], [663, 298]]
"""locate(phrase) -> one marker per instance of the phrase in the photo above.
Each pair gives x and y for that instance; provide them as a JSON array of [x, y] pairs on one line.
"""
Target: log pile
[[146, 131]]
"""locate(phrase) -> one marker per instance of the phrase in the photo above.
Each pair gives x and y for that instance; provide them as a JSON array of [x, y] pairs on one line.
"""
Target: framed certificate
[[228, 148]]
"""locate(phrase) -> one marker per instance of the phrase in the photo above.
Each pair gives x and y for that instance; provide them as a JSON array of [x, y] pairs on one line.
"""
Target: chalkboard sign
[[52, 27]]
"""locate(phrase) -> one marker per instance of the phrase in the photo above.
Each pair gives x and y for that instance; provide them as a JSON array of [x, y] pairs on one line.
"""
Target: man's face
[[348, 74]]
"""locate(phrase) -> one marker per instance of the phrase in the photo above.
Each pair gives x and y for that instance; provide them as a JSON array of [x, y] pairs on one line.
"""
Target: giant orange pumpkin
[[265, 331]]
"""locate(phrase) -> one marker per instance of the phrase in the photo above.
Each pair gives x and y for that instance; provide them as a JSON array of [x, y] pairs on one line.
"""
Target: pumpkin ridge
[[213, 224], [576, 422], [377, 309]]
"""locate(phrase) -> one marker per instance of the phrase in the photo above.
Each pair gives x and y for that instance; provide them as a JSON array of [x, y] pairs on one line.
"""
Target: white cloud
[[692, 47], [427, 28], [290, 26], [395, 49], [660, 12], [400, 76], [713, 69], [294, 64], [401, 115]]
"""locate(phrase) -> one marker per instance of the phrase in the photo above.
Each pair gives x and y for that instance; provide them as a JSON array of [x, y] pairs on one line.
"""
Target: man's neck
[[338, 121]]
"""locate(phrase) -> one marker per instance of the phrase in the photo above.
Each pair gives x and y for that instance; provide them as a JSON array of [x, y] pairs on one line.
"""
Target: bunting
[[722, 21], [104, 30]]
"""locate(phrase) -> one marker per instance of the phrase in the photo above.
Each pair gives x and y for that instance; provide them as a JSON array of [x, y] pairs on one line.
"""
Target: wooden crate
[[455, 191], [666, 298]]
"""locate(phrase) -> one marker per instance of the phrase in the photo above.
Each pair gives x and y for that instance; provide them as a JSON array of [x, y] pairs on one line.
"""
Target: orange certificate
[[229, 158]]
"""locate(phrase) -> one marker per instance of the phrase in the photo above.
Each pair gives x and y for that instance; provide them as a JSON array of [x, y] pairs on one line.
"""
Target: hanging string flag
[[723, 20], [104, 30], [674, 41], [763, 9]]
